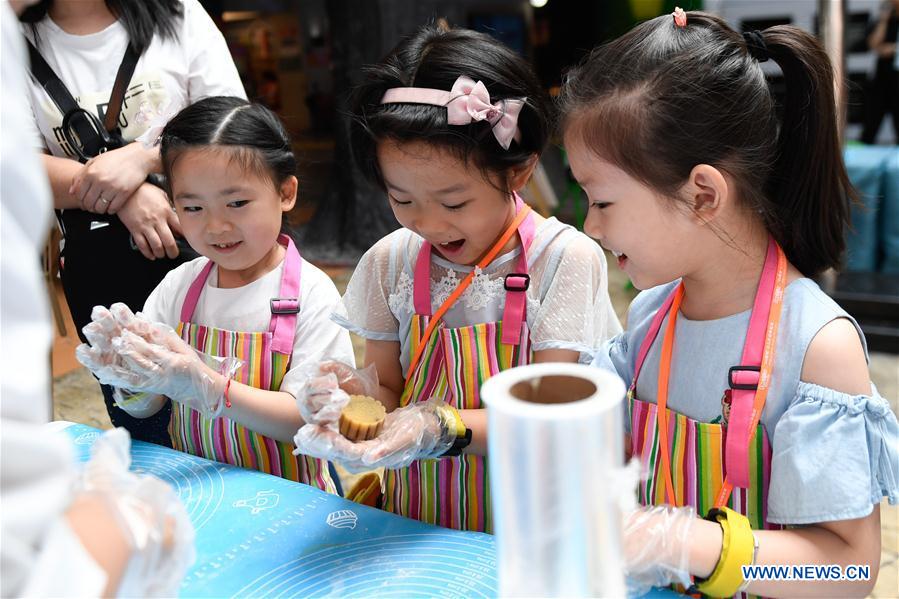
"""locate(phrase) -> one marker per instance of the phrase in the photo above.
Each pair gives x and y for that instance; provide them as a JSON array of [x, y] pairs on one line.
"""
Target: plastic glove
[[656, 546], [176, 370], [327, 391], [106, 325], [411, 433], [150, 514], [167, 365], [139, 404]]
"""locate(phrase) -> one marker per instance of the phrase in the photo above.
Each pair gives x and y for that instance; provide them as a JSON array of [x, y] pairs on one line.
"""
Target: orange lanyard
[[462, 286], [761, 393]]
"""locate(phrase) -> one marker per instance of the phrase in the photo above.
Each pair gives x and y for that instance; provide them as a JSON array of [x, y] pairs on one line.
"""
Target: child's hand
[[328, 388], [169, 366], [411, 433], [656, 546]]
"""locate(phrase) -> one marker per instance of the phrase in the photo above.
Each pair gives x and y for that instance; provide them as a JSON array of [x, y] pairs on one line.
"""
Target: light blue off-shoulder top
[[835, 455]]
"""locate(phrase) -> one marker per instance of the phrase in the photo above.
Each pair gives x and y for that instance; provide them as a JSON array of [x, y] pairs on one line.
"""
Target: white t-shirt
[[568, 305], [247, 309], [39, 555], [170, 74]]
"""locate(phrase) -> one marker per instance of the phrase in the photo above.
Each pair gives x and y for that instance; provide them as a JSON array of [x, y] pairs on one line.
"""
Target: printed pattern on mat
[[291, 549]]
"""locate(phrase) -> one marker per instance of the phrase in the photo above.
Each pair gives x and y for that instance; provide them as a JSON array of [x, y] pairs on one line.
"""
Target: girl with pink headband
[[451, 125]]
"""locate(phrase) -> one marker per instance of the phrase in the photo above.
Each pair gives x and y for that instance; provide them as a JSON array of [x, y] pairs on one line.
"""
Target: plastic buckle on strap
[[742, 386], [292, 308], [510, 284]]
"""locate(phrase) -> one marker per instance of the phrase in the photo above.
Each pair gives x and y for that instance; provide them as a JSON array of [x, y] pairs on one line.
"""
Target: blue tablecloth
[[260, 535]]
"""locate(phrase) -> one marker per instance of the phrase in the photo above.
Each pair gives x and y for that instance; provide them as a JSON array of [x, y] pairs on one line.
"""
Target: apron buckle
[[745, 378], [285, 305], [517, 281]]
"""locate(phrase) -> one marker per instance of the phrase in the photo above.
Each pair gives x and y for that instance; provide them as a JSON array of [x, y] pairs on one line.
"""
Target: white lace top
[[568, 300]]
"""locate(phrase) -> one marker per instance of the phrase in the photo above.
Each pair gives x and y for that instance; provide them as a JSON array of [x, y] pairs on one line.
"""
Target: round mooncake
[[362, 418]]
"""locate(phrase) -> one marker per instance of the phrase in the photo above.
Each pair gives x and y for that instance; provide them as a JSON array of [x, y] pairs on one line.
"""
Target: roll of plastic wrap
[[556, 450]]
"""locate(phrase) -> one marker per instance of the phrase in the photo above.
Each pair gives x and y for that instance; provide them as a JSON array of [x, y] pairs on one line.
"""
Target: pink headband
[[466, 103]]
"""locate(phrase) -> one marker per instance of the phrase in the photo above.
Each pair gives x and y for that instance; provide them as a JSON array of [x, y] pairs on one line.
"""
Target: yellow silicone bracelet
[[736, 552], [452, 420]]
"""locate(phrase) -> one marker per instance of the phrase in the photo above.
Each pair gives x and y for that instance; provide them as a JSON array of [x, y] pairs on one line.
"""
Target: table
[[260, 535]]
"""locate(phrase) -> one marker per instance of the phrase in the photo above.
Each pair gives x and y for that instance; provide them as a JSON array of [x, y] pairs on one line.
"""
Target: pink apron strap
[[517, 283], [286, 306], [194, 291], [421, 285], [744, 379]]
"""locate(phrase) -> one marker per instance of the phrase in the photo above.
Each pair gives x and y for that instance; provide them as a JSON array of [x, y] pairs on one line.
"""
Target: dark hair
[[142, 19], [434, 57], [661, 99], [250, 132]]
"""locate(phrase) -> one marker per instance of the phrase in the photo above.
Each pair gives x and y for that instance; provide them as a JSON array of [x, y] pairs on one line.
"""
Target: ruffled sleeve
[[364, 308], [835, 456], [575, 312]]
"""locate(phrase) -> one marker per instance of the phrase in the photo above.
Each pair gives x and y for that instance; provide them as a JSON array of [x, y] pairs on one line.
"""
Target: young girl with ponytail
[[750, 401]]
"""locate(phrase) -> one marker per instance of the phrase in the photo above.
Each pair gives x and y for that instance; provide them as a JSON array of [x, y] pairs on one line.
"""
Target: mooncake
[[362, 418]]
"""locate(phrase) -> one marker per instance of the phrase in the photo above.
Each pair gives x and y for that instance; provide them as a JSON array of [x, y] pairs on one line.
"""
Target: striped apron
[[266, 358], [698, 452], [453, 491]]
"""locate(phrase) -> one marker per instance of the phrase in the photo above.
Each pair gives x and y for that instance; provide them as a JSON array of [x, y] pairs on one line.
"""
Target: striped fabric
[[452, 492], [697, 464], [224, 440]]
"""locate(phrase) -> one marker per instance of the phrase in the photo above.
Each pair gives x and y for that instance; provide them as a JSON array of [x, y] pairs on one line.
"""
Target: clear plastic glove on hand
[[327, 391], [150, 514], [176, 370], [411, 433], [106, 325], [132, 353], [656, 546]]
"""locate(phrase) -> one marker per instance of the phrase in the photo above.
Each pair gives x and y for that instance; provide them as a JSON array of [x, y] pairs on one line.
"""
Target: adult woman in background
[[113, 220], [883, 88]]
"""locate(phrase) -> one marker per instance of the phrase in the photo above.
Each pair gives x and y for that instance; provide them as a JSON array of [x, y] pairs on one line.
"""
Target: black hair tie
[[755, 44]]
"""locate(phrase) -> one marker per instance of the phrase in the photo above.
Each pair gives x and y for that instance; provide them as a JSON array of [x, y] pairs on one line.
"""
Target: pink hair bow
[[466, 103], [470, 101]]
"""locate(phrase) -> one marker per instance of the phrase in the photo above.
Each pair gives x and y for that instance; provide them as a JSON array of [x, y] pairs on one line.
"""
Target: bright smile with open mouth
[[622, 258], [451, 248]]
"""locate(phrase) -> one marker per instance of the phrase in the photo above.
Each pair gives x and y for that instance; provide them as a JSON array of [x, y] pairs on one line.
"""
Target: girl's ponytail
[[808, 184]]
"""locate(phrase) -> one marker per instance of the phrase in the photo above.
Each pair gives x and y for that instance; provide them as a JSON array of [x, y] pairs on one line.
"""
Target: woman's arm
[[108, 180], [878, 34], [61, 172]]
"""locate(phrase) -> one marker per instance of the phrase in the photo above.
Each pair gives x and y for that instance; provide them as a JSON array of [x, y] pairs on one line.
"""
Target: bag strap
[[63, 99], [122, 79]]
